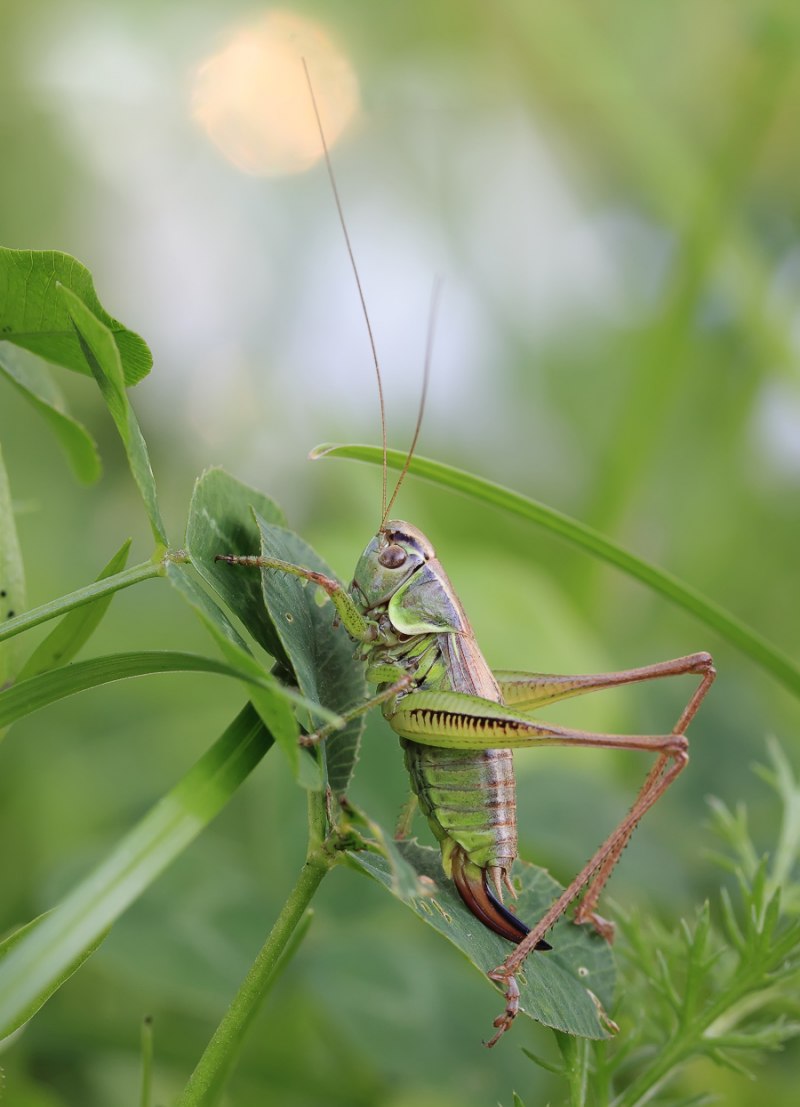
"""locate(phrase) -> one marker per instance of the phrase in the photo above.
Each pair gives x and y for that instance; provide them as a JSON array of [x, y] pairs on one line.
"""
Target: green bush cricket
[[459, 722]]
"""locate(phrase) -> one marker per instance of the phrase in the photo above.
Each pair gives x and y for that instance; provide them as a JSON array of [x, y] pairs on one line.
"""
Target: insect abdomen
[[468, 798]]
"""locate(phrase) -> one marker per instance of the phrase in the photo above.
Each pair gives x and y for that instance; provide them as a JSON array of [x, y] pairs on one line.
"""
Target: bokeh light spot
[[252, 98]]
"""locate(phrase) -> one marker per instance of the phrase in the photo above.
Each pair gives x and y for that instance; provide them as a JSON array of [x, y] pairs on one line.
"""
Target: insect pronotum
[[459, 722]]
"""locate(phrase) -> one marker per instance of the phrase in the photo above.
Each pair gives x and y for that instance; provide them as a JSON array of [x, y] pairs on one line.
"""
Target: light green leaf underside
[[35, 316], [32, 379], [102, 356], [578, 534], [42, 958], [555, 986]]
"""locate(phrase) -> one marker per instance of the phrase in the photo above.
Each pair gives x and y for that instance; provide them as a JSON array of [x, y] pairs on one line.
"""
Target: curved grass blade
[[76, 628], [12, 941], [33, 314], [37, 964], [32, 380], [567, 988], [578, 534], [27, 696], [12, 575], [102, 355]]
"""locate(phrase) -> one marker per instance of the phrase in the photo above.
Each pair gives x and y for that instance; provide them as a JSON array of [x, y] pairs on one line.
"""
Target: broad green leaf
[[32, 379], [27, 696], [578, 534], [11, 942], [103, 358], [568, 987], [12, 576], [305, 645], [321, 654], [267, 695], [40, 960], [76, 628], [221, 522], [35, 316]]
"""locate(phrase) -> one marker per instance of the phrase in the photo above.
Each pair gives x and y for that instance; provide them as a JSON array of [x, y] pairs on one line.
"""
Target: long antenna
[[351, 255], [435, 297]]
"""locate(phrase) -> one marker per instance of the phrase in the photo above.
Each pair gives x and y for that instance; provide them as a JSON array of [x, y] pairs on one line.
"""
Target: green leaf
[[32, 379], [566, 988], [578, 534], [221, 522], [40, 960], [76, 628], [103, 358], [321, 654], [35, 316], [306, 646], [14, 940], [27, 696], [267, 695], [12, 575]]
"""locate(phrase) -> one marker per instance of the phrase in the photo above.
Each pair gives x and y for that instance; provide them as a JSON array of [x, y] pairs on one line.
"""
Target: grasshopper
[[459, 722]]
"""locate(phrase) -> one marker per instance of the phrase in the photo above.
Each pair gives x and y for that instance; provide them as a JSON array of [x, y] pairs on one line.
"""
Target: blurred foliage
[[620, 344]]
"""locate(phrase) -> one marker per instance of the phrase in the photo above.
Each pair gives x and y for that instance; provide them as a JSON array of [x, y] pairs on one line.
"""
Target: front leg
[[357, 625]]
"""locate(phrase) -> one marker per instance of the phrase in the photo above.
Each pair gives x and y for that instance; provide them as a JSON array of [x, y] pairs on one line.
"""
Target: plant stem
[[80, 597], [209, 1077], [147, 1063]]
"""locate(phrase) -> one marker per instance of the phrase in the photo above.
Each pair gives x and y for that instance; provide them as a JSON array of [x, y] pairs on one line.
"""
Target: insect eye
[[392, 557]]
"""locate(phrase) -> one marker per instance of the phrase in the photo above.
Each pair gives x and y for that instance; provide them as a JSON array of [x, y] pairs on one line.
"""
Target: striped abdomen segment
[[469, 799]]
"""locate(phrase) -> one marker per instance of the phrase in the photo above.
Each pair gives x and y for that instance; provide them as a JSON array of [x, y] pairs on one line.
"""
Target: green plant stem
[[147, 1063], [213, 1069], [82, 596], [586, 538], [575, 1052]]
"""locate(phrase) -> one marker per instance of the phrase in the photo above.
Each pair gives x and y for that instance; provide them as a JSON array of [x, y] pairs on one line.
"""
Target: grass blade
[[578, 534], [36, 965], [76, 628], [30, 695], [12, 575]]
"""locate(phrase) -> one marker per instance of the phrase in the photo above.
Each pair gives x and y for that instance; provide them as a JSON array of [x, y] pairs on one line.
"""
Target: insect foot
[[604, 927], [503, 1022]]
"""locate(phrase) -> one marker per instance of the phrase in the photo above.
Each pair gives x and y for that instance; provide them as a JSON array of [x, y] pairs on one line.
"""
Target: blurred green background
[[609, 191]]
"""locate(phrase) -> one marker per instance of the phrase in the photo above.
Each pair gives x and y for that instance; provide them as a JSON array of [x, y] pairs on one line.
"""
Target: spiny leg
[[586, 910], [526, 691], [453, 719], [529, 690], [651, 790]]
